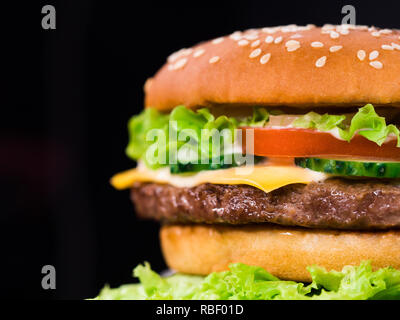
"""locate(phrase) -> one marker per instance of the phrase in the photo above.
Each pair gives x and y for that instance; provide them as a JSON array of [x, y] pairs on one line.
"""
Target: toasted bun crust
[[235, 69], [284, 252]]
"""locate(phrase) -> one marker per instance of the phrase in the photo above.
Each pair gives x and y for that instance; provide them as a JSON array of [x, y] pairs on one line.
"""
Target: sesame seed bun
[[284, 252], [292, 66]]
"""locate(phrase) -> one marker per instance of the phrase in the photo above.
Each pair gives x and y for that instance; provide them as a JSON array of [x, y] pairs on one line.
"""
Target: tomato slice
[[297, 142]]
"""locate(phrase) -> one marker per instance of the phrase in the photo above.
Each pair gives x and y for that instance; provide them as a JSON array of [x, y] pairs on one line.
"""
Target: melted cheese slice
[[265, 177]]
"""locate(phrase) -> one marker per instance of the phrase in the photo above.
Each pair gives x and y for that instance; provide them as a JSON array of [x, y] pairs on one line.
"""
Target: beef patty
[[335, 203]]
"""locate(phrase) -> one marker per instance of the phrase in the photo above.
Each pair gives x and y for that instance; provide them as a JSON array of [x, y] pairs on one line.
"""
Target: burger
[[299, 198]]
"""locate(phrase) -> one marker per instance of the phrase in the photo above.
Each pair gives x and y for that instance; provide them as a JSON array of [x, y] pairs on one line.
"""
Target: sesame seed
[[289, 28], [320, 62], [180, 63], [292, 43], [361, 55], [251, 37], [328, 27], [296, 36], [387, 47], [395, 45], [334, 35], [243, 42], [255, 43], [186, 52], [218, 40], [252, 30], [269, 39], [214, 59], [278, 40], [335, 48], [375, 34], [265, 58], [317, 44], [198, 52], [373, 55], [386, 31], [344, 31], [376, 64], [270, 30], [292, 48], [174, 56], [255, 53], [237, 35]]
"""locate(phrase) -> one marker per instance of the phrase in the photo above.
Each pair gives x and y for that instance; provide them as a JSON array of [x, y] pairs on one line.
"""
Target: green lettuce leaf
[[366, 122], [314, 120], [139, 126], [259, 118], [244, 282], [182, 129]]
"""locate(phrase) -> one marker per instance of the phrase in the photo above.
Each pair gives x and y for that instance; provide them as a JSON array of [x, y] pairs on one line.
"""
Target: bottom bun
[[284, 252]]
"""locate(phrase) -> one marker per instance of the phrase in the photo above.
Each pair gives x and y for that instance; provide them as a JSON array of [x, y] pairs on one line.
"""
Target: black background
[[66, 96]]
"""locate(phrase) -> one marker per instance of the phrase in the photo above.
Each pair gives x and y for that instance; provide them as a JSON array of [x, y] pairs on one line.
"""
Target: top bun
[[295, 66]]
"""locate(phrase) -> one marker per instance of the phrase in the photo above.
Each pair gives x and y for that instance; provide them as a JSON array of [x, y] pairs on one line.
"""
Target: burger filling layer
[[336, 203], [270, 166]]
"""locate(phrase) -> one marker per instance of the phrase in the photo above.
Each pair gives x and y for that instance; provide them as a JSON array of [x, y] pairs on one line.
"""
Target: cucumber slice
[[195, 167], [351, 168]]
